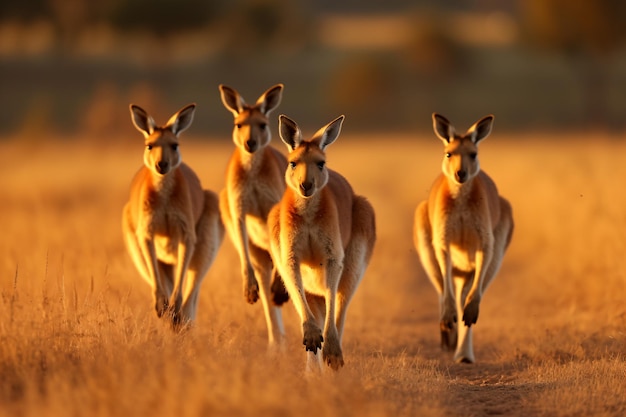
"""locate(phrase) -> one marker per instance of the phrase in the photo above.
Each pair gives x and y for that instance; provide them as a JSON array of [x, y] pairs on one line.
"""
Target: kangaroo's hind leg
[[209, 236], [424, 245], [263, 271], [160, 295], [357, 257], [502, 234], [130, 239]]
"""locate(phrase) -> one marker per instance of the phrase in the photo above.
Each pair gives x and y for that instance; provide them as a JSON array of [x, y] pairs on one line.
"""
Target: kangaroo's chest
[[166, 227], [314, 244], [312, 247], [315, 251], [461, 226], [462, 231], [167, 231]]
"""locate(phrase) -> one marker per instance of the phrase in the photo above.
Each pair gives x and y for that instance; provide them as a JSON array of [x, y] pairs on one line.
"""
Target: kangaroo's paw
[[470, 312], [313, 338], [279, 292]]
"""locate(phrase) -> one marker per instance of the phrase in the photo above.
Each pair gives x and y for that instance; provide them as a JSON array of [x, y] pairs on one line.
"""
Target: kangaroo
[[254, 183], [461, 233], [171, 226], [322, 238]]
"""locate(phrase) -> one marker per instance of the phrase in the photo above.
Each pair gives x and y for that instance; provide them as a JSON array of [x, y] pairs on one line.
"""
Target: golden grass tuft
[[78, 335]]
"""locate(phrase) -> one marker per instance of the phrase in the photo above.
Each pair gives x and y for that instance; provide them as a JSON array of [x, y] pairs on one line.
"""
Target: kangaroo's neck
[[306, 207], [163, 185], [251, 162], [460, 191]]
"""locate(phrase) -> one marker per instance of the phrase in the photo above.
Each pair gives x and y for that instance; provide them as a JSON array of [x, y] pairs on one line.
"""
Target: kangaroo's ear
[[329, 133], [142, 120], [270, 99], [289, 132], [481, 129], [443, 128], [231, 99], [182, 119]]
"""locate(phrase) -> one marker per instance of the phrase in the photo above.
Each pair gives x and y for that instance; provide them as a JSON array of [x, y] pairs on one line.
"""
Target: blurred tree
[[256, 26], [588, 32], [594, 27], [161, 17], [69, 18], [431, 52]]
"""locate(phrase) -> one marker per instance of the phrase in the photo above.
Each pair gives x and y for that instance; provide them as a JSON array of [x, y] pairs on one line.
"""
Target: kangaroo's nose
[[251, 145], [461, 175], [162, 167], [306, 187]]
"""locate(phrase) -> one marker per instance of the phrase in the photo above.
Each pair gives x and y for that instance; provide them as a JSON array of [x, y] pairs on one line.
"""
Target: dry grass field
[[78, 335]]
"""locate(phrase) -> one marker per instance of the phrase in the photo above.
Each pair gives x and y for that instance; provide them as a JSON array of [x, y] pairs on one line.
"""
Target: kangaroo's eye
[[149, 147], [448, 154], [321, 164], [473, 155], [175, 147], [263, 126], [238, 125], [292, 165]]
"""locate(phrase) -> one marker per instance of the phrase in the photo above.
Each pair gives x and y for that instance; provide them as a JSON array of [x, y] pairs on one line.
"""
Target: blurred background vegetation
[[71, 67]]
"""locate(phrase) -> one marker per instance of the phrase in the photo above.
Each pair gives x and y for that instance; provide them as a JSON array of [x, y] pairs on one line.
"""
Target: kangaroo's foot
[[448, 336], [331, 353], [312, 337], [449, 316], [161, 304]]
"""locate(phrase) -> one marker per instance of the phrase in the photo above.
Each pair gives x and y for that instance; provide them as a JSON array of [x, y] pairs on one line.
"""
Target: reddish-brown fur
[[254, 183], [461, 233], [171, 226], [322, 238]]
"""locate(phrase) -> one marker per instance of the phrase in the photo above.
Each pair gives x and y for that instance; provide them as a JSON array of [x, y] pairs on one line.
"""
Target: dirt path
[[486, 389]]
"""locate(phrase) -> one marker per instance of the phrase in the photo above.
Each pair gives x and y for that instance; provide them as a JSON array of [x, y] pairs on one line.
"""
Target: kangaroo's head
[[161, 153], [460, 162], [251, 131], [307, 173]]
